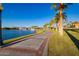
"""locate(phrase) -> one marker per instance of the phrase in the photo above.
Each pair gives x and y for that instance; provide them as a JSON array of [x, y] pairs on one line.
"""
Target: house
[[75, 25]]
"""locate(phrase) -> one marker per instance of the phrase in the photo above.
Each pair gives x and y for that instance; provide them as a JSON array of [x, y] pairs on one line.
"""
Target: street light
[[1, 41]]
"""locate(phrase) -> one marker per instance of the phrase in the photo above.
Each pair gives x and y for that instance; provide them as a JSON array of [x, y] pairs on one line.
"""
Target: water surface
[[9, 34]]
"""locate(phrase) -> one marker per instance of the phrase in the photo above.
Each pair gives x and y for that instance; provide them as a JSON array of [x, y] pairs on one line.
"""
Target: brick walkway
[[34, 45]]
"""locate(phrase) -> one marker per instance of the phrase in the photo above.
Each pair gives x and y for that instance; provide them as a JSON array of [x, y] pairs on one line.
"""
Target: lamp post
[[1, 41]]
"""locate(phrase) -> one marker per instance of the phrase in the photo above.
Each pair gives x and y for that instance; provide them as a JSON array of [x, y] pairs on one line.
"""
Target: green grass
[[77, 30], [39, 31], [61, 45], [75, 34]]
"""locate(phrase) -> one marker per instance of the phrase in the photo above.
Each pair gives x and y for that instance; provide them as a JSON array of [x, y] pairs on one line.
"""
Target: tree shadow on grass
[[75, 31], [75, 40]]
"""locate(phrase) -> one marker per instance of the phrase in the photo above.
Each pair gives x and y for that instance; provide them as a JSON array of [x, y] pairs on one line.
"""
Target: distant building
[[75, 25], [23, 28], [34, 28]]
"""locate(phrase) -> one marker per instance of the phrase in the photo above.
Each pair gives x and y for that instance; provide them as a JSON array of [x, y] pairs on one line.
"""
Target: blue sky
[[24, 15]]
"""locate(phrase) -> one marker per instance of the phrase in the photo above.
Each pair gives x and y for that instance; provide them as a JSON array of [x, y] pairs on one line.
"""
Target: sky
[[33, 14]]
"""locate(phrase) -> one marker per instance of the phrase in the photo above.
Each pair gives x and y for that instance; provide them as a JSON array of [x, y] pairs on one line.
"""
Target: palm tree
[[52, 22], [46, 26], [59, 7], [1, 41], [57, 18]]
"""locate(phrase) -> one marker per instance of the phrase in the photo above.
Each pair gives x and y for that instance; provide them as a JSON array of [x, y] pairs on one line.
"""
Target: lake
[[9, 34]]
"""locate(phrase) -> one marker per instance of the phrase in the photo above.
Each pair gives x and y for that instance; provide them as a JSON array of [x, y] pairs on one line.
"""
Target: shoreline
[[21, 37]]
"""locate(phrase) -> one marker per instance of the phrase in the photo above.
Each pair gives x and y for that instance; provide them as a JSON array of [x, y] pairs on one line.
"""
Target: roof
[[75, 22]]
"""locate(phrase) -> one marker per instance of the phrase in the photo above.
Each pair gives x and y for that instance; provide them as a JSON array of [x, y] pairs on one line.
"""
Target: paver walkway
[[34, 45]]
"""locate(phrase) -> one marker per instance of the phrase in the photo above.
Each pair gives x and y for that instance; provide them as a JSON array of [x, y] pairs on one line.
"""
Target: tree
[[52, 22], [57, 18], [46, 25], [1, 41], [60, 7]]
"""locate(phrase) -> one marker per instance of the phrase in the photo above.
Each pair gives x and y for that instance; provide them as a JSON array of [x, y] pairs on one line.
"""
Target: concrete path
[[34, 45]]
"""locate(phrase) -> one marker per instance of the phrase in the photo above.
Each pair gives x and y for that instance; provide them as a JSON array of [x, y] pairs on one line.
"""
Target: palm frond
[[57, 16], [53, 6], [66, 5], [52, 21]]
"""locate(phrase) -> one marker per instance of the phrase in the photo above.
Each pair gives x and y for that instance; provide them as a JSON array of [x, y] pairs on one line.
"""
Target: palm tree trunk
[[60, 25], [52, 25], [57, 27]]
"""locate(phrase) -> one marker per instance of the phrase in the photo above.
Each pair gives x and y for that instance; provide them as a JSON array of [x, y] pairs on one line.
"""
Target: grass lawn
[[75, 34], [61, 45], [76, 30]]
